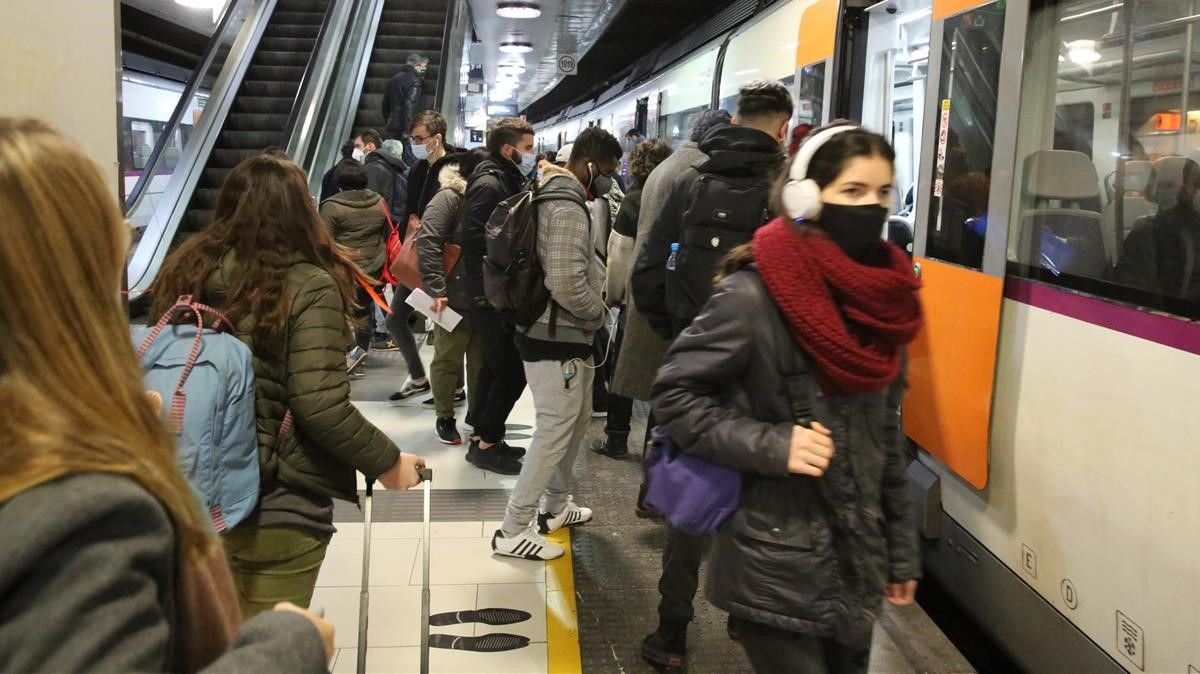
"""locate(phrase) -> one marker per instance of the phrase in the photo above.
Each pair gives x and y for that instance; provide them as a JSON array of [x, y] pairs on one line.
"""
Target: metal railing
[[311, 99], [185, 99]]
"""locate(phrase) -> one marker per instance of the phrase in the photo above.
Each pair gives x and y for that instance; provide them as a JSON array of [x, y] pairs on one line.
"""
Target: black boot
[[666, 647]]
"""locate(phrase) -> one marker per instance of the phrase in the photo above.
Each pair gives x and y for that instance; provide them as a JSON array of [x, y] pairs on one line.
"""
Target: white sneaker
[[570, 515], [526, 545]]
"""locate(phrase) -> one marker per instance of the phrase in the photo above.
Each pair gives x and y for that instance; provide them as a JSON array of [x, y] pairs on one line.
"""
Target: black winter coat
[[423, 183], [494, 180], [732, 150], [402, 99], [782, 560]]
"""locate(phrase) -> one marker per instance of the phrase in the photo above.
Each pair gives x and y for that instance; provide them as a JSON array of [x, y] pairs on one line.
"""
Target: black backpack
[[724, 211], [513, 278]]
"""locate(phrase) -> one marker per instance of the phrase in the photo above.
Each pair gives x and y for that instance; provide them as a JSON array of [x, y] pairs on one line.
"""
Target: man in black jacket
[[402, 100], [502, 379], [428, 135], [749, 150]]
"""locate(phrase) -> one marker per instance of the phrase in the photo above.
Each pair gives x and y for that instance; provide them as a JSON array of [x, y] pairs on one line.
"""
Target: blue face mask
[[527, 164], [420, 151]]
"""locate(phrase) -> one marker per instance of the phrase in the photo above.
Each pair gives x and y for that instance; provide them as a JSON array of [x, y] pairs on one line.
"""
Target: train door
[[960, 258], [814, 60], [893, 98]]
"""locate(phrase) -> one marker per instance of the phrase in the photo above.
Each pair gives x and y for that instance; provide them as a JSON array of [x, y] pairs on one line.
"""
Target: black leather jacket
[[402, 100], [803, 554]]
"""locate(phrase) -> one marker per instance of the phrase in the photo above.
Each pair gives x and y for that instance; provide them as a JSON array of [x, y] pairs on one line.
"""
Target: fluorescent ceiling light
[[909, 18], [516, 47], [501, 110], [498, 95], [512, 67], [1082, 52], [515, 9]]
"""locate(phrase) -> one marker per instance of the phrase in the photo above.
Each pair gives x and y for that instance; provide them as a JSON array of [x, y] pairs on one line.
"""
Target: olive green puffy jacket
[[331, 438]]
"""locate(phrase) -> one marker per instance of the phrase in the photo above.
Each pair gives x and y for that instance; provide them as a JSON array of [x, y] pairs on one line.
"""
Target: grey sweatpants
[[564, 410]]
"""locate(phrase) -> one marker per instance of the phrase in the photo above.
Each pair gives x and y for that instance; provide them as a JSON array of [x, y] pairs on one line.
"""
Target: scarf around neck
[[850, 318]]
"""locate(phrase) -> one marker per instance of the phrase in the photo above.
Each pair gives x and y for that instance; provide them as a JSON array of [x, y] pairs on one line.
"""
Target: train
[[1050, 149]]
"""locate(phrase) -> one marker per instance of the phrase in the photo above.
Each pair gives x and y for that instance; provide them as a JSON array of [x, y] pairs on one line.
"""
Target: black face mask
[[857, 230]]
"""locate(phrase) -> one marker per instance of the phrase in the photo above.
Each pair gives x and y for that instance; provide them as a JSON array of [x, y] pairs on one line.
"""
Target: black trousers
[[502, 378], [620, 408], [775, 651], [680, 576], [364, 317]]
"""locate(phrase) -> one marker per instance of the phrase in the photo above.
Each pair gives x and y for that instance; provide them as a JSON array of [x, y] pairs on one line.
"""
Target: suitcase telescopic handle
[[426, 474]]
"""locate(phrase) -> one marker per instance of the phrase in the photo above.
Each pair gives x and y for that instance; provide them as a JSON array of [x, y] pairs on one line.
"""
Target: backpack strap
[[183, 305]]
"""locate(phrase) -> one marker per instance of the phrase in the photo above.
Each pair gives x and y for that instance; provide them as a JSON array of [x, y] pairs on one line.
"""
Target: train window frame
[[1115, 144]]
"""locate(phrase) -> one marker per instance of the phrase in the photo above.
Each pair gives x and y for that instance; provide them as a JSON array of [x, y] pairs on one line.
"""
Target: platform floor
[[588, 611]]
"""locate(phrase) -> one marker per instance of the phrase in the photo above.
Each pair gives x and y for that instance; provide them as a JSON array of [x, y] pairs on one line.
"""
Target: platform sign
[[568, 64]]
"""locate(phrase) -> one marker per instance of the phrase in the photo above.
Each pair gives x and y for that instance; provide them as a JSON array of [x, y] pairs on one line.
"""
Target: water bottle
[[673, 257]]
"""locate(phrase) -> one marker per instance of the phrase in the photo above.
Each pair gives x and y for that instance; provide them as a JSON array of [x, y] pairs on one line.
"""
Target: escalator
[[405, 27], [259, 116]]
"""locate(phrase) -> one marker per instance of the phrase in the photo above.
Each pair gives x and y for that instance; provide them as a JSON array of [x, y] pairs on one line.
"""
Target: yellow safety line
[[562, 620]]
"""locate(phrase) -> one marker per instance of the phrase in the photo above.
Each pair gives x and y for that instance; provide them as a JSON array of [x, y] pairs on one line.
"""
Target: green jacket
[[331, 438], [358, 223]]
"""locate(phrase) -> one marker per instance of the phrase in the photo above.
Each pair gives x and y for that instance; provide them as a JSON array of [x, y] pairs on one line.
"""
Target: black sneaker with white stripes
[[570, 515], [528, 544]]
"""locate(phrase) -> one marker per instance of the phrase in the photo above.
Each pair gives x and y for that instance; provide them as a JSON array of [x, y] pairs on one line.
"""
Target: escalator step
[[400, 56], [214, 177], [226, 158], [249, 140], [297, 45], [196, 220], [255, 121], [409, 44], [292, 32], [265, 105], [413, 28], [405, 16], [263, 57], [267, 90], [303, 6], [276, 74], [205, 198]]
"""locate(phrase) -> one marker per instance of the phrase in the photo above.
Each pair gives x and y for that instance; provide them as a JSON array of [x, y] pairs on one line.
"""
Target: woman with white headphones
[[792, 374]]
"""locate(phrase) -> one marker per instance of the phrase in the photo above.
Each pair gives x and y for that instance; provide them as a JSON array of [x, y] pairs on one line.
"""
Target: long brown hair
[[264, 218], [71, 396]]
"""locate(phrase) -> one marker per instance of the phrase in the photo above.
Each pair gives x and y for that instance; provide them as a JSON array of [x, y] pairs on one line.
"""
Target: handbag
[[695, 495], [395, 244], [405, 268]]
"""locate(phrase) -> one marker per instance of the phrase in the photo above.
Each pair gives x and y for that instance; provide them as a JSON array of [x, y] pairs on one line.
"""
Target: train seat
[[1133, 205], [1056, 232]]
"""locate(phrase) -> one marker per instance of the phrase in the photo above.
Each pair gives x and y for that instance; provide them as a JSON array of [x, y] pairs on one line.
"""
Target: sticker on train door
[[943, 141]]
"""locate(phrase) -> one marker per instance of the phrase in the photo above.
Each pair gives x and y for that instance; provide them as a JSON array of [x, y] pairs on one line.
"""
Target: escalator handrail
[[181, 106], [307, 77], [452, 9]]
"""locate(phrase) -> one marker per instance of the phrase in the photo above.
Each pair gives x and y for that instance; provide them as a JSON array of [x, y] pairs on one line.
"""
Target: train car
[[1047, 162]]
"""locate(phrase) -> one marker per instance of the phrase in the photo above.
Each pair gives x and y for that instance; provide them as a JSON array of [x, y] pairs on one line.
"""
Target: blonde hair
[[71, 396]]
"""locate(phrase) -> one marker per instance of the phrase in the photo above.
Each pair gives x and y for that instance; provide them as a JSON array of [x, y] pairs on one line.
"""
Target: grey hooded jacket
[[574, 275], [442, 224]]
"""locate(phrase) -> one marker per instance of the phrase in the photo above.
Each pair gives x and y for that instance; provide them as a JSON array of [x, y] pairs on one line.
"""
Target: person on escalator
[[270, 265], [710, 208], [505, 172], [792, 375], [402, 100]]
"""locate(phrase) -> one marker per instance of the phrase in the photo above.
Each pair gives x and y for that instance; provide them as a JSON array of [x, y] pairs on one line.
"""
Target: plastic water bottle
[[673, 257]]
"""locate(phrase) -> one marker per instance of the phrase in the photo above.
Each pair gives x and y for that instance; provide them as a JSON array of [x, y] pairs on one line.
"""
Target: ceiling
[[638, 29], [192, 18], [564, 27]]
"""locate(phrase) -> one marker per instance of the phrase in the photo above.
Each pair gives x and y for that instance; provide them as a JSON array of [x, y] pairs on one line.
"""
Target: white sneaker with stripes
[[570, 515], [526, 545]]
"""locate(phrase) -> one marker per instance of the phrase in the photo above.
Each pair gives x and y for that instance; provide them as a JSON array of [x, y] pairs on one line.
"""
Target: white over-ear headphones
[[801, 194]]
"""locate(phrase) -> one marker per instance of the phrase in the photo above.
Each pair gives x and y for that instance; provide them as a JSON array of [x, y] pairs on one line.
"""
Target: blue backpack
[[206, 379]]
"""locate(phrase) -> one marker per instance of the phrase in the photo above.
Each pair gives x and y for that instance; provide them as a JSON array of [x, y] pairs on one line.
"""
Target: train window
[[676, 128], [810, 94], [1107, 185], [967, 103]]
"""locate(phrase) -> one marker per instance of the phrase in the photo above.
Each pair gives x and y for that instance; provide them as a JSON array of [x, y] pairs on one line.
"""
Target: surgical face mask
[[420, 151], [598, 184], [358, 154], [527, 164], [857, 230]]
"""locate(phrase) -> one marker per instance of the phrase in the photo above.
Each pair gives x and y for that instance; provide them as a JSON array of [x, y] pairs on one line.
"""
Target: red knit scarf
[[850, 318]]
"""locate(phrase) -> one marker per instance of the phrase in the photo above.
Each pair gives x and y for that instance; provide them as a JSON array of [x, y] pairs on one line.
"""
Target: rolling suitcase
[[364, 598]]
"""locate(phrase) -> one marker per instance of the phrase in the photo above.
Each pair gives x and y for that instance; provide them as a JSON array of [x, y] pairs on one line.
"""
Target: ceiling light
[[1082, 52], [514, 67], [518, 10], [516, 47]]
